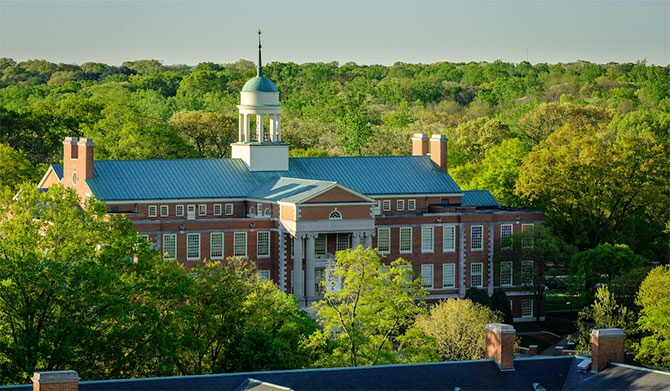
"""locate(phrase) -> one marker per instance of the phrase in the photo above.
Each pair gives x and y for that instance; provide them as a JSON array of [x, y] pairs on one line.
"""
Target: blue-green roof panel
[[259, 84], [478, 198], [117, 180]]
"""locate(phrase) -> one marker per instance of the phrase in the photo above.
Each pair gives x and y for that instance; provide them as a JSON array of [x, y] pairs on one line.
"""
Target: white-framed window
[[165, 211], [259, 208], [449, 238], [506, 236], [527, 242], [240, 244], [229, 209], [448, 275], [405, 240], [384, 240], [386, 205], [427, 276], [320, 244], [152, 211], [342, 242], [179, 210], [526, 272], [263, 244], [527, 308], [400, 204], [411, 204], [216, 245], [192, 247], [202, 210], [252, 211], [146, 237], [267, 212], [427, 240], [190, 212], [477, 238], [476, 275], [216, 209], [170, 246], [506, 273], [335, 215], [264, 275]]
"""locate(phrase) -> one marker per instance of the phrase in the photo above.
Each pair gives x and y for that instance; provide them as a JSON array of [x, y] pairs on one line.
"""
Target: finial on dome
[[260, 63]]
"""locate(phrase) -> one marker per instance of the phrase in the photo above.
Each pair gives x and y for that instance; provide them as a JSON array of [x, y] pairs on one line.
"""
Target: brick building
[[291, 215]]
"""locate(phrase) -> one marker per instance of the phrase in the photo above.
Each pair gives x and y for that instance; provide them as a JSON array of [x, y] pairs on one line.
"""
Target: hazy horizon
[[365, 32]]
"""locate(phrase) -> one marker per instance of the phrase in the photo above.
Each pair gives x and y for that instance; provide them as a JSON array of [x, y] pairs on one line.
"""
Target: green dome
[[259, 84]]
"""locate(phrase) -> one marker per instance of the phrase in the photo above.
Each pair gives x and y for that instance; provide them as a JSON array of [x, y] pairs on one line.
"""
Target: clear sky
[[363, 31]]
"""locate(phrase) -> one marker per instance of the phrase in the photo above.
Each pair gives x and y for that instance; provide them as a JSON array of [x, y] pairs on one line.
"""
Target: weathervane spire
[[260, 63]]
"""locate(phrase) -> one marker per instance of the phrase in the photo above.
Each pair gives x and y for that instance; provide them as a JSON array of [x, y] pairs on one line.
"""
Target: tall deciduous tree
[[453, 330], [210, 133], [372, 307], [605, 312], [602, 264], [592, 182], [654, 318]]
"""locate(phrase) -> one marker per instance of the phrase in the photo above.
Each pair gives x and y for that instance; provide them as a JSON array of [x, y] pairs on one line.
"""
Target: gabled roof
[[478, 198], [121, 180]]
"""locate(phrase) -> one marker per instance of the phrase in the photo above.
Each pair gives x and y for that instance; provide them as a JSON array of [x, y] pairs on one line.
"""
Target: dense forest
[[586, 143]]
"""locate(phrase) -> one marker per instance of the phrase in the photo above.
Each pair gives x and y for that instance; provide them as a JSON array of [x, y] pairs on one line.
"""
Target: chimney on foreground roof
[[438, 150], [55, 381], [419, 144], [500, 344], [606, 346], [85, 154]]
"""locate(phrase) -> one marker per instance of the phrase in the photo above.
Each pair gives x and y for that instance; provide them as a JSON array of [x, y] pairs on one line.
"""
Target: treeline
[[587, 143]]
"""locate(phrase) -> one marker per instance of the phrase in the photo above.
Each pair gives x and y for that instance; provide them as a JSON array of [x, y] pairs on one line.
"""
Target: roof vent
[[585, 365], [538, 387]]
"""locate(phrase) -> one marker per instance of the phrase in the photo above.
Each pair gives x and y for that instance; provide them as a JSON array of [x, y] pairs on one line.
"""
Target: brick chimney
[[500, 345], [606, 346], [438, 150], [419, 144], [55, 381], [85, 154]]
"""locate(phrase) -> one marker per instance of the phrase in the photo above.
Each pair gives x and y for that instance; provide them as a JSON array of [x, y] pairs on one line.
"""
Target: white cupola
[[259, 99]]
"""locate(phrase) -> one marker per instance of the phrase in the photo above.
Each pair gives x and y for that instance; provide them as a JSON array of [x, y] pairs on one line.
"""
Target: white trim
[[416, 195], [362, 203], [214, 207], [411, 202], [481, 275], [411, 239], [258, 247], [44, 177], [452, 266], [232, 209], [445, 228], [425, 249], [163, 250], [532, 312], [400, 205], [192, 235], [200, 206], [511, 273], [481, 246], [384, 203], [379, 235], [246, 243], [155, 211], [176, 209], [432, 275], [223, 245], [167, 210]]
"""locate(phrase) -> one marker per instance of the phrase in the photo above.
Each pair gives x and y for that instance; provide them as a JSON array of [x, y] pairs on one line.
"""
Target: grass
[[552, 324], [557, 301]]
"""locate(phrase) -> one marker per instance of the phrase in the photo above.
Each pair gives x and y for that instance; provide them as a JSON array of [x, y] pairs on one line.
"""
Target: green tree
[[210, 133], [605, 312], [453, 330], [81, 290], [654, 319], [538, 124], [15, 168], [476, 137], [372, 307], [602, 264], [591, 183]]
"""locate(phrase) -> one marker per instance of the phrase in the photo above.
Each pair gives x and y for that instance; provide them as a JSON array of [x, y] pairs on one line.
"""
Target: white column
[[282, 260], [259, 127], [355, 239], [298, 275], [368, 239], [491, 267], [240, 120], [272, 127], [461, 260], [278, 127], [310, 292], [247, 124]]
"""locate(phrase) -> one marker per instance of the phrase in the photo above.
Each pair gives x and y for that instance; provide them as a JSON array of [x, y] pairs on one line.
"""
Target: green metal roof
[[292, 190], [259, 84], [119, 180], [478, 198]]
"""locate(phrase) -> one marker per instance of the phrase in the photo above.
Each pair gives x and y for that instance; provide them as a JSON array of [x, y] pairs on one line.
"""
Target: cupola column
[[259, 127]]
